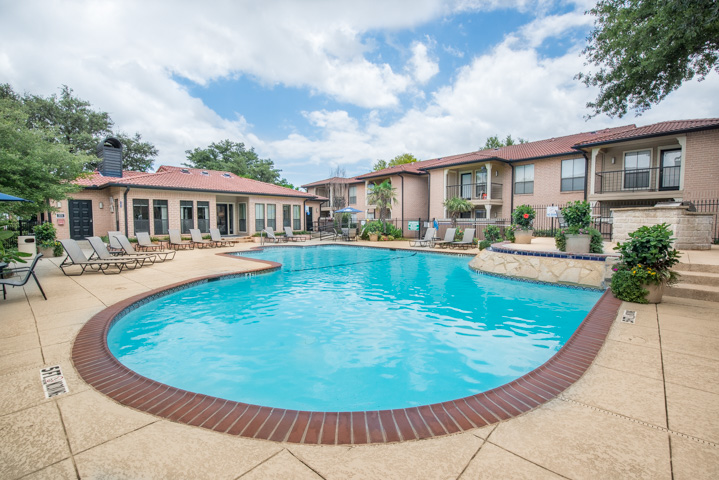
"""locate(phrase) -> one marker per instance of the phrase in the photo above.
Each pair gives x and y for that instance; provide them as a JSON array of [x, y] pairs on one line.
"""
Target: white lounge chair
[[271, 237], [448, 238], [290, 235], [129, 250], [219, 240], [176, 240], [466, 241], [427, 241], [198, 240], [102, 253]]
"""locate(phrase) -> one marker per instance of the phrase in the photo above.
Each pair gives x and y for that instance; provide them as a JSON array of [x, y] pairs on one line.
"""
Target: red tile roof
[[335, 180], [192, 179], [414, 168], [654, 130]]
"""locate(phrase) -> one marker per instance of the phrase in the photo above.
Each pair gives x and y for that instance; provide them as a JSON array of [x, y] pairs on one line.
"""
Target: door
[[222, 218], [242, 217], [670, 169], [308, 219], [465, 180], [80, 219]]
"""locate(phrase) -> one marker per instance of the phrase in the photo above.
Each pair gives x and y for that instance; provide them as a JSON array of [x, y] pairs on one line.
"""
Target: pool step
[[697, 281]]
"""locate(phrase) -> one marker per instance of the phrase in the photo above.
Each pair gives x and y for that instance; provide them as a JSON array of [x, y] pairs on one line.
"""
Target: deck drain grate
[[629, 316], [53, 381]]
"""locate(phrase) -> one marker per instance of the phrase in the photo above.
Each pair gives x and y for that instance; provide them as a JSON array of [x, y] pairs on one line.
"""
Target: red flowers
[[526, 215]]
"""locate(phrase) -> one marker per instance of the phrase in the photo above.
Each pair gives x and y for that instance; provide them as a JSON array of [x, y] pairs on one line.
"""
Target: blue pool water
[[349, 329]]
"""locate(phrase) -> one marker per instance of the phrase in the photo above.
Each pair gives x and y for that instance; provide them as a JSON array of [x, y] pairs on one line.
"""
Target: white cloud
[[422, 67]]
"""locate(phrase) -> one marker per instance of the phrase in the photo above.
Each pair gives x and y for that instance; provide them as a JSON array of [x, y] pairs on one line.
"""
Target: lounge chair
[[75, 257], [448, 238], [199, 241], [427, 241], [102, 253], [145, 243], [129, 250], [466, 241], [176, 240], [219, 240], [350, 234], [271, 236], [290, 235], [114, 246], [22, 275]]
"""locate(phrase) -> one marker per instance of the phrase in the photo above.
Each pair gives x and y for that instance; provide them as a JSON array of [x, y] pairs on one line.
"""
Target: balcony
[[638, 180], [474, 191]]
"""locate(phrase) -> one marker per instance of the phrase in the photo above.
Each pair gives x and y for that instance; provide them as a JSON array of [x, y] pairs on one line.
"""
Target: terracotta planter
[[523, 236], [655, 292], [578, 243], [373, 237]]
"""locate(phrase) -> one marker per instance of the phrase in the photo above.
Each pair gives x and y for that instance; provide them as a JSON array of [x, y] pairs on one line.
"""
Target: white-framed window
[[573, 174], [272, 216], [296, 217], [259, 217], [353, 195], [524, 179], [636, 169]]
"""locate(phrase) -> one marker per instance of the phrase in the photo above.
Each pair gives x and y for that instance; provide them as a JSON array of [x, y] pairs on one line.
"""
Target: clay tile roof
[[414, 168], [654, 130], [331, 180], [193, 179]]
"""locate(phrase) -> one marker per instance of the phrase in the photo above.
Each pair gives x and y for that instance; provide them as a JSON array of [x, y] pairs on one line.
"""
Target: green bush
[[45, 235], [523, 216], [484, 244], [650, 247], [627, 287], [577, 214], [492, 233]]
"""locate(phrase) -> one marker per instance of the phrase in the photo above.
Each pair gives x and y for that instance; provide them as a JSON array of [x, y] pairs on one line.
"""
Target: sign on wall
[[552, 211], [413, 226]]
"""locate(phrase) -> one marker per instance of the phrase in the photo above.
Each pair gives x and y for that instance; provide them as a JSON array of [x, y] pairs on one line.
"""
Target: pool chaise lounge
[[272, 237], [216, 237], [427, 241], [448, 238], [160, 255], [176, 240], [466, 241], [102, 253], [197, 239], [290, 235], [144, 242], [76, 257]]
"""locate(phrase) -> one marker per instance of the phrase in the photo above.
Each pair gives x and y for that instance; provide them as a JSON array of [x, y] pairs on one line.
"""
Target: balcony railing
[[641, 179], [474, 191]]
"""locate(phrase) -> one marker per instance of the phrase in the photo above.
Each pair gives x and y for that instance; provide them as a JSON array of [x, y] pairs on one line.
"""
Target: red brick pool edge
[[101, 370]]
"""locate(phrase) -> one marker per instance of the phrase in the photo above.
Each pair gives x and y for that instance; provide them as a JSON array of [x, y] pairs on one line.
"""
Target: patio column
[[683, 142], [488, 208], [489, 183], [444, 193], [593, 169]]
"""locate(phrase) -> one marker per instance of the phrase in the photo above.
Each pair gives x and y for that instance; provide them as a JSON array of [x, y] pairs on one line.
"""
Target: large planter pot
[[523, 236], [46, 252], [373, 237], [578, 243], [655, 292]]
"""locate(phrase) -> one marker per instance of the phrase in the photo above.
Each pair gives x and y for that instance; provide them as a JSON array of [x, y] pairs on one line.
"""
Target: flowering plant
[[523, 216]]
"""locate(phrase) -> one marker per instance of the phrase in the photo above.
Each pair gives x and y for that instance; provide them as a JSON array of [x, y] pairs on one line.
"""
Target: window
[[480, 213], [370, 214], [159, 216], [524, 179], [271, 217], [186, 219], [259, 217], [670, 171], [636, 169], [242, 216], [296, 223], [353, 195], [203, 216], [573, 174], [141, 215], [480, 179], [286, 218]]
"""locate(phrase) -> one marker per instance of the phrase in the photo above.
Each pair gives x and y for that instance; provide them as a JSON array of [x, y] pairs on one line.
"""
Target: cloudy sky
[[316, 84]]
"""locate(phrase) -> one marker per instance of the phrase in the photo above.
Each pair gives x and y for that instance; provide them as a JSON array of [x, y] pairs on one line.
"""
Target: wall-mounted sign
[[60, 215], [413, 226], [552, 212]]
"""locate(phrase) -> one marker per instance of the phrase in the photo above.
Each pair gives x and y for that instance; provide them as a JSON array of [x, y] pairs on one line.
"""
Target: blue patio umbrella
[[10, 198], [348, 210]]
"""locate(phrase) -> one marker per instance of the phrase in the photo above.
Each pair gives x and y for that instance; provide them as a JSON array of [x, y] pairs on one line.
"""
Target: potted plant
[[578, 216], [9, 254], [46, 238], [522, 219], [645, 266]]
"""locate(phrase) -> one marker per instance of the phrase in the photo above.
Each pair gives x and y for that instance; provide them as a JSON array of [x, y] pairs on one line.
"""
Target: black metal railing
[[644, 179], [474, 191]]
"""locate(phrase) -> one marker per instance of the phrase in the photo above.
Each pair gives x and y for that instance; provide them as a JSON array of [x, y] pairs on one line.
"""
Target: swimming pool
[[349, 329]]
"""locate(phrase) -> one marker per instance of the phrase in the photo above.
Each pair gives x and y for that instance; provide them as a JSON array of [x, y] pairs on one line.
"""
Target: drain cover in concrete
[[629, 316]]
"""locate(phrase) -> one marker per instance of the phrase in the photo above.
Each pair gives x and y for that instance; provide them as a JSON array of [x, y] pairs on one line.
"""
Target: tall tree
[[234, 157], [645, 49], [383, 196], [494, 142], [32, 165], [80, 127], [398, 160]]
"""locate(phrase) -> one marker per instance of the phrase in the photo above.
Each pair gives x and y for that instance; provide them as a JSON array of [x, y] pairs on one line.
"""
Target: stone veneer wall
[[587, 273], [692, 230]]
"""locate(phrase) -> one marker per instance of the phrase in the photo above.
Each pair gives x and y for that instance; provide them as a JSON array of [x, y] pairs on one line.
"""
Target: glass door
[[242, 216], [465, 181], [222, 218], [670, 170]]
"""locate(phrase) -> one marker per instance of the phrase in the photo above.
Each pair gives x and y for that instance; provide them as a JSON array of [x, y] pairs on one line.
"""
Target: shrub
[[577, 214], [45, 235], [523, 216], [650, 247], [627, 287], [484, 244], [492, 234]]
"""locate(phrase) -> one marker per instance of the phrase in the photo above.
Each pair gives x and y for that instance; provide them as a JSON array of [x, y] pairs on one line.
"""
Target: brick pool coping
[[101, 370]]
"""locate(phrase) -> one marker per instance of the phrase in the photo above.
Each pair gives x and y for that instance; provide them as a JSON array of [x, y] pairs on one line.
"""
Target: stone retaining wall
[[692, 230], [587, 273]]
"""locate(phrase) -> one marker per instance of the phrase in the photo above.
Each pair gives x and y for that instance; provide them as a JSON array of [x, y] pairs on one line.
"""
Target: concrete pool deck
[[648, 407]]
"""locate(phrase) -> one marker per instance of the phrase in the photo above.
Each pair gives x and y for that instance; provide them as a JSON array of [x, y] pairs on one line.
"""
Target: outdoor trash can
[[26, 244]]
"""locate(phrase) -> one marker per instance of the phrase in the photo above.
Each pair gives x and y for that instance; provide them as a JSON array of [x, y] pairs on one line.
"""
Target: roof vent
[[184, 170], [205, 173], [226, 175]]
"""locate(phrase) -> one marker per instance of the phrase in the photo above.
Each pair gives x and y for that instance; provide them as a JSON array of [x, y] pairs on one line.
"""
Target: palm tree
[[455, 206], [382, 195]]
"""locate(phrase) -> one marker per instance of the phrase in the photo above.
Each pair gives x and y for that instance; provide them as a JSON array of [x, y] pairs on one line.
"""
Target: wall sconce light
[[496, 173], [614, 159], [100, 205], [59, 204]]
